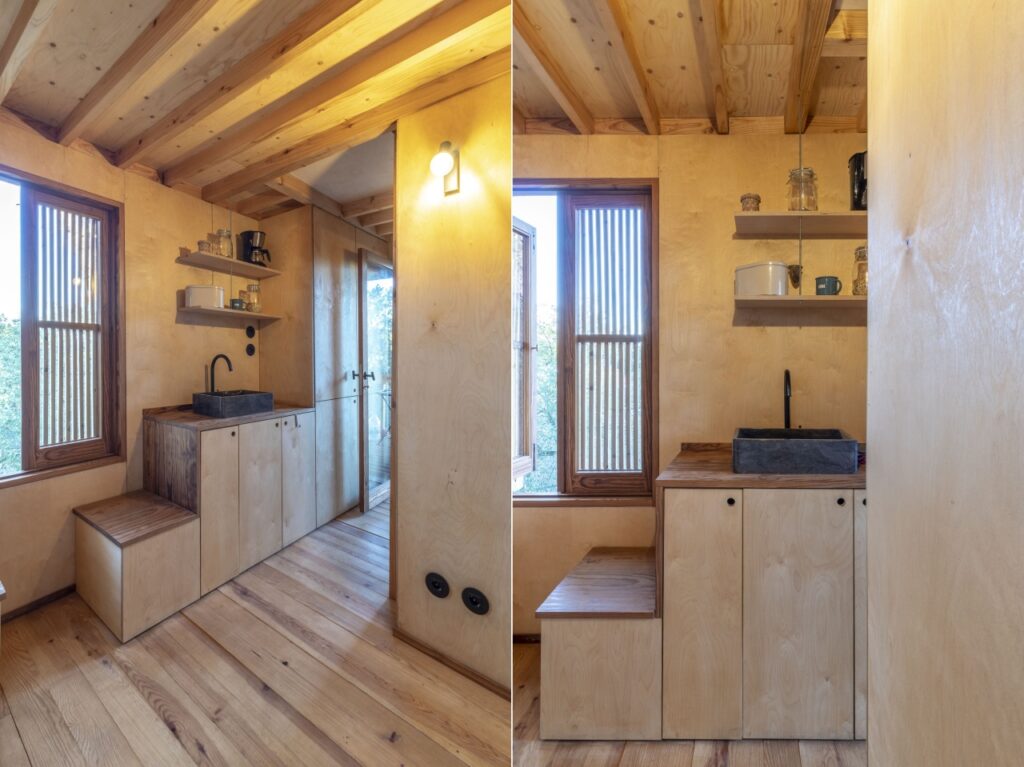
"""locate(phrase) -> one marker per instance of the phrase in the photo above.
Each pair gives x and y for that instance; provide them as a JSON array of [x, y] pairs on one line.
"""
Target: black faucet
[[213, 365], [787, 394]]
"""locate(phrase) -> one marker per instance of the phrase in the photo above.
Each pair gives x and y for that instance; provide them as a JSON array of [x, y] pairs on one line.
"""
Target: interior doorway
[[377, 300]]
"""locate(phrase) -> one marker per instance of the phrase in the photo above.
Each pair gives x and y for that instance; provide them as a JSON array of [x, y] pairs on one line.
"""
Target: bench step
[[607, 583], [133, 517]]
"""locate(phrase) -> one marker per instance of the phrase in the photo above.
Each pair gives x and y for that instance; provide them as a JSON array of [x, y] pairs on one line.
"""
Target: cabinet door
[[298, 476], [798, 614], [337, 457], [703, 614], [860, 614], [335, 307], [259, 494], [218, 507]]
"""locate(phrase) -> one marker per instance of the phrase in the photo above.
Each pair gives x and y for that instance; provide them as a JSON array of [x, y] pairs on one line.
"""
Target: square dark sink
[[232, 404], [794, 451]]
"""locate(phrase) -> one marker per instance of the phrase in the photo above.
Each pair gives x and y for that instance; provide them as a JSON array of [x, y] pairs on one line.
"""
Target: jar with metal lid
[[254, 305], [860, 271], [224, 243], [803, 189]]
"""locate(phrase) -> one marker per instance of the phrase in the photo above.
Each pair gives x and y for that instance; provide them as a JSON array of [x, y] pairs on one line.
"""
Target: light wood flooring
[[292, 663], [530, 751]]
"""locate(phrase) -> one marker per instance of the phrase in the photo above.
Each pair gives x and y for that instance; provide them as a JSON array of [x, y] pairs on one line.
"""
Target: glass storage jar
[[224, 243], [860, 271], [254, 305], [803, 189]]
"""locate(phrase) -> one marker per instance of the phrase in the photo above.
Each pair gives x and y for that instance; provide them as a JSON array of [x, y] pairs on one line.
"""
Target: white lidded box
[[767, 278], [205, 296]]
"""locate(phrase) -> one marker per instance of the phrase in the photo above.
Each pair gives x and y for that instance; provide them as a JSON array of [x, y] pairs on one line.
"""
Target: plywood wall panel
[[452, 475], [945, 529]]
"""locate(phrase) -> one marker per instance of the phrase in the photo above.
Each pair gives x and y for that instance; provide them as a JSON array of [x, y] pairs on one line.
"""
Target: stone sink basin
[[793, 451], [232, 404]]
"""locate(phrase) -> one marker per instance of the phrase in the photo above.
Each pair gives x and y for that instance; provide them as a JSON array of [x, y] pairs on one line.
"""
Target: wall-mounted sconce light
[[446, 164]]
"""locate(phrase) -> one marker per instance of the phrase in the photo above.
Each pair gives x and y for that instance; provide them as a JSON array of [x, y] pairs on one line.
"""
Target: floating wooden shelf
[[810, 225], [230, 314], [802, 302], [224, 265]]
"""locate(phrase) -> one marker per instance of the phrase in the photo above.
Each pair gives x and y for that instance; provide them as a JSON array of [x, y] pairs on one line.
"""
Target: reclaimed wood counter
[[182, 415], [710, 465]]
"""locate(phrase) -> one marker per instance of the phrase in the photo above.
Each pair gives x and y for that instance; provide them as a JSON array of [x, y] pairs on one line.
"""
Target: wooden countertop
[[710, 465], [608, 583], [182, 415], [133, 517]]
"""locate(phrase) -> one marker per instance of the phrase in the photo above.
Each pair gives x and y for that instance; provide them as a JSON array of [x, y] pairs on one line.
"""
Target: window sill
[[39, 475], [578, 501]]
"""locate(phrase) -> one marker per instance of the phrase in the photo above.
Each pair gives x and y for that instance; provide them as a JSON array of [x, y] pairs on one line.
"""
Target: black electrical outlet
[[475, 601], [437, 585], [250, 349], [250, 332]]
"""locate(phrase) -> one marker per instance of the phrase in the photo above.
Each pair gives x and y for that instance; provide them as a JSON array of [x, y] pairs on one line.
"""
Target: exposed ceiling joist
[[301, 35], [298, 190], [615, 21], [847, 36], [518, 120], [385, 216], [355, 208], [704, 14], [385, 230], [176, 19], [812, 24], [251, 206], [358, 129], [458, 20], [543, 64], [25, 31]]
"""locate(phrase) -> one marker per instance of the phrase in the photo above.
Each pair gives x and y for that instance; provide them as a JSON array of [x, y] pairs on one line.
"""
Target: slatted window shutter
[[524, 343], [69, 342], [605, 344]]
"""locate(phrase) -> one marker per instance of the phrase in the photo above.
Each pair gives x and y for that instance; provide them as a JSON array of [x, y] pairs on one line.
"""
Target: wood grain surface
[[133, 517], [710, 465], [609, 583], [182, 415]]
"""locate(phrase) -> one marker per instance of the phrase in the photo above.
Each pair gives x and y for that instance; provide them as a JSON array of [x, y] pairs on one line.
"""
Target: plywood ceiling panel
[[758, 22], [755, 78], [664, 35], [79, 44], [529, 94], [842, 86], [572, 31], [363, 171]]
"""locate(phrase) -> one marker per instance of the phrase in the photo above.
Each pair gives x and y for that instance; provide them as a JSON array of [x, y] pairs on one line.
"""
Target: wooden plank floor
[[292, 663], [530, 751], [377, 520]]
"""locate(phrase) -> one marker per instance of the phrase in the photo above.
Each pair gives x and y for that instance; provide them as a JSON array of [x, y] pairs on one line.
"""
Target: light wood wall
[[165, 360], [718, 369], [453, 396], [945, 528]]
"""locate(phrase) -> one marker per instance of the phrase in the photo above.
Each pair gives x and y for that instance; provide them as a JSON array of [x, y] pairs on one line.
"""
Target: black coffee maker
[[253, 249], [858, 166]]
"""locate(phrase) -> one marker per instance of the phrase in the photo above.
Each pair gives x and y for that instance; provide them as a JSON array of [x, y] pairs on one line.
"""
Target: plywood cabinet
[[298, 476], [798, 614], [259, 493], [860, 614], [337, 457], [218, 507], [703, 614]]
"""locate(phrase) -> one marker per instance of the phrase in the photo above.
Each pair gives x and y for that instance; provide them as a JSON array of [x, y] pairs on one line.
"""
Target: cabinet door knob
[[232, 434], [731, 501], [841, 501]]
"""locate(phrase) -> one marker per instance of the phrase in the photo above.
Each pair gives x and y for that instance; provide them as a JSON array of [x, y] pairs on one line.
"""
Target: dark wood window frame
[[43, 462], [524, 459], [601, 489]]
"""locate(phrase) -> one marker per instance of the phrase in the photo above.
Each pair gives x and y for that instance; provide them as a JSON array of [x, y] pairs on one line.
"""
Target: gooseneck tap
[[787, 395], [213, 366]]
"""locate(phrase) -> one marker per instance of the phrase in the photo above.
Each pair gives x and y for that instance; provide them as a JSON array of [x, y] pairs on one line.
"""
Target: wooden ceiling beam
[[172, 23], [360, 128], [251, 206], [307, 31], [847, 36], [292, 111], [614, 20], [704, 14], [298, 190], [353, 209], [385, 230], [385, 216], [812, 24], [546, 68], [518, 120], [26, 30]]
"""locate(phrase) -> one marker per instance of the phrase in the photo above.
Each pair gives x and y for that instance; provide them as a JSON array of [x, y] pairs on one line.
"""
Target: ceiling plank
[[170, 25], [615, 21], [250, 206], [360, 128], [28, 27], [385, 230], [812, 24], [385, 216], [298, 190], [306, 32], [704, 14], [454, 22], [355, 208], [544, 66]]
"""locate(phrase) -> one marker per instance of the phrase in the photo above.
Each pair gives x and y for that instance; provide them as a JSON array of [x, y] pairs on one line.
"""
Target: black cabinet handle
[[841, 501], [731, 501]]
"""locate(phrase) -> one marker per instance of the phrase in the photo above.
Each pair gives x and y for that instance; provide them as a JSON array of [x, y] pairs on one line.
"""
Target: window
[[595, 376], [59, 328]]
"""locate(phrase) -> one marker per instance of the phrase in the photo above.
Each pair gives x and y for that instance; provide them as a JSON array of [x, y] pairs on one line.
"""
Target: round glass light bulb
[[442, 163]]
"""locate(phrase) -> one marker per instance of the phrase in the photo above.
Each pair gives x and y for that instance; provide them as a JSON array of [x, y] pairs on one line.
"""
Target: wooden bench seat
[[601, 650], [136, 560]]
